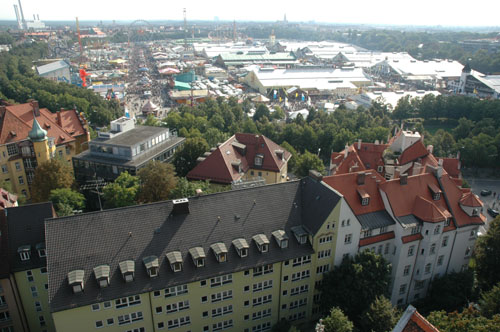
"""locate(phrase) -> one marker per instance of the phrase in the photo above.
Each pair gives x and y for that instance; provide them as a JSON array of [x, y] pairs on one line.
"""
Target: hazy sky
[[399, 12]]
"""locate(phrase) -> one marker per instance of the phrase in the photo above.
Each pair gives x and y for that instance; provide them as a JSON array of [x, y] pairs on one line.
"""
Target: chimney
[[359, 144], [36, 108], [361, 179], [346, 151], [199, 192], [59, 120], [181, 206], [440, 162], [377, 142], [430, 148], [403, 179], [315, 175]]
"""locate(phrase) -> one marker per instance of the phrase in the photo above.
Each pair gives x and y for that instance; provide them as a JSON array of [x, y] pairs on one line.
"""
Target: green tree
[[122, 192], [337, 321], [214, 136], [487, 252], [187, 188], [151, 120], [490, 302], [50, 175], [308, 161], [356, 283], [282, 326], [381, 316], [65, 201], [469, 320], [260, 112], [185, 157], [157, 181]]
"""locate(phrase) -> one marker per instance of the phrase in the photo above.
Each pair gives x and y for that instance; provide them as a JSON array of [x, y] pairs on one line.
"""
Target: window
[[445, 241], [221, 280], [380, 169], [416, 230], [95, 307], [440, 260], [110, 321], [367, 233], [29, 275], [161, 325], [261, 314], [262, 285], [324, 253], [178, 306], [107, 304], [436, 196], [20, 179], [41, 320], [432, 250], [365, 201], [24, 255], [175, 291], [411, 251], [299, 290], [258, 160], [474, 212], [265, 269], [402, 289], [406, 270], [301, 275], [447, 222], [323, 269], [34, 291], [159, 310], [325, 239], [227, 324], [127, 301], [156, 293], [4, 316], [437, 229], [225, 295], [302, 260], [262, 300], [387, 247], [18, 166], [38, 306], [226, 310], [298, 303], [5, 169], [60, 154], [12, 149], [427, 269], [99, 324], [129, 318], [348, 239]]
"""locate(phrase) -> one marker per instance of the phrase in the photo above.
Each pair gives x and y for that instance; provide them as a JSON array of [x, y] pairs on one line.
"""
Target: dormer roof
[[426, 210], [471, 200]]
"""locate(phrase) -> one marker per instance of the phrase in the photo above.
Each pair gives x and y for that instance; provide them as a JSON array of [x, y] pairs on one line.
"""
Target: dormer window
[[198, 255], [281, 238], [151, 265], [101, 273], [220, 251], [475, 212], [436, 192], [237, 165], [258, 159], [75, 280], [279, 154], [24, 252], [262, 242], [241, 247], [127, 268], [301, 234], [364, 196], [447, 222], [175, 260], [40, 248]]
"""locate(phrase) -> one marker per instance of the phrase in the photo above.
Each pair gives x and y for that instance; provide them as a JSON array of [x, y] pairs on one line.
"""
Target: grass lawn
[[433, 125]]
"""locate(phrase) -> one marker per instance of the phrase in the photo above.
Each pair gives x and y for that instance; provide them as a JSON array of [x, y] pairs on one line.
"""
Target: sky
[[387, 12]]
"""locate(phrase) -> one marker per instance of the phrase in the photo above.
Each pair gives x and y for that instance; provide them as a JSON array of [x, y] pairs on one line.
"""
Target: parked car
[[485, 192], [493, 212]]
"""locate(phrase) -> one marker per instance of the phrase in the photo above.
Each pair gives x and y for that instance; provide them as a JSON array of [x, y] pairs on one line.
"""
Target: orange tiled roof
[[427, 211], [348, 186], [413, 152], [376, 238], [452, 166], [470, 199]]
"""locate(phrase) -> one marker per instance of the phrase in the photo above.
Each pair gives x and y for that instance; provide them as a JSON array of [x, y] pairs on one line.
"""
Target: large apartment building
[[30, 135], [238, 261]]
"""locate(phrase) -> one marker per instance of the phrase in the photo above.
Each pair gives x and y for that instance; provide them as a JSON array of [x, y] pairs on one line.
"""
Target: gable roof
[[412, 321], [348, 186], [452, 166], [17, 120], [112, 236], [223, 165], [470, 199], [425, 210], [413, 152], [69, 120]]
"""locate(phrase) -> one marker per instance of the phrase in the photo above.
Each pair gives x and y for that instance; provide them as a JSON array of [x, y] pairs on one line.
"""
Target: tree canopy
[[487, 253], [337, 321], [185, 157], [122, 192], [65, 201], [50, 175], [469, 320], [157, 180], [381, 316]]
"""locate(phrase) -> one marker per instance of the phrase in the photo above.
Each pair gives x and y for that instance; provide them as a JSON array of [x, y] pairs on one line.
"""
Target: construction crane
[[185, 28], [79, 38]]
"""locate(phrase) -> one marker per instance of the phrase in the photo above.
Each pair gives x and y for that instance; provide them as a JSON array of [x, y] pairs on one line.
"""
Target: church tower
[[38, 136]]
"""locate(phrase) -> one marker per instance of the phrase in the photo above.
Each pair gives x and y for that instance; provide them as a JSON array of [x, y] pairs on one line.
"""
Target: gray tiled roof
[[26, 228], [375, 220], [409, 221], [109, 237]]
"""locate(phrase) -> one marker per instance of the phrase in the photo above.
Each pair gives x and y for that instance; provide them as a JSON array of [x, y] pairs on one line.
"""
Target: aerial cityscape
[[291, 167]]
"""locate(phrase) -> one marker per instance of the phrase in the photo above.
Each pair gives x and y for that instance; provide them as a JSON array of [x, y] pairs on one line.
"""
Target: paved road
[[478, 184]]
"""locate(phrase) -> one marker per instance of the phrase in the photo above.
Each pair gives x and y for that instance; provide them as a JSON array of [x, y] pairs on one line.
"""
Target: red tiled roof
[[454, 194], [377, 238], [427, 211], [371, 154], [347, 185], [402, 198], [413, 152], [411, 238], [7, 199], [422, 325], [218, 166], [68, 120], [452, 167], [470, 199], [18, 119]]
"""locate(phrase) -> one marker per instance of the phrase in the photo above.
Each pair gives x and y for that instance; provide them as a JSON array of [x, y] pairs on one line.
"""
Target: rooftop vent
[[127, 268], [75, 280], [241, 246], [281, 238], [175, 260], [152, 266], [101, 273], [181, 206], [403, 179], [198, 255]]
